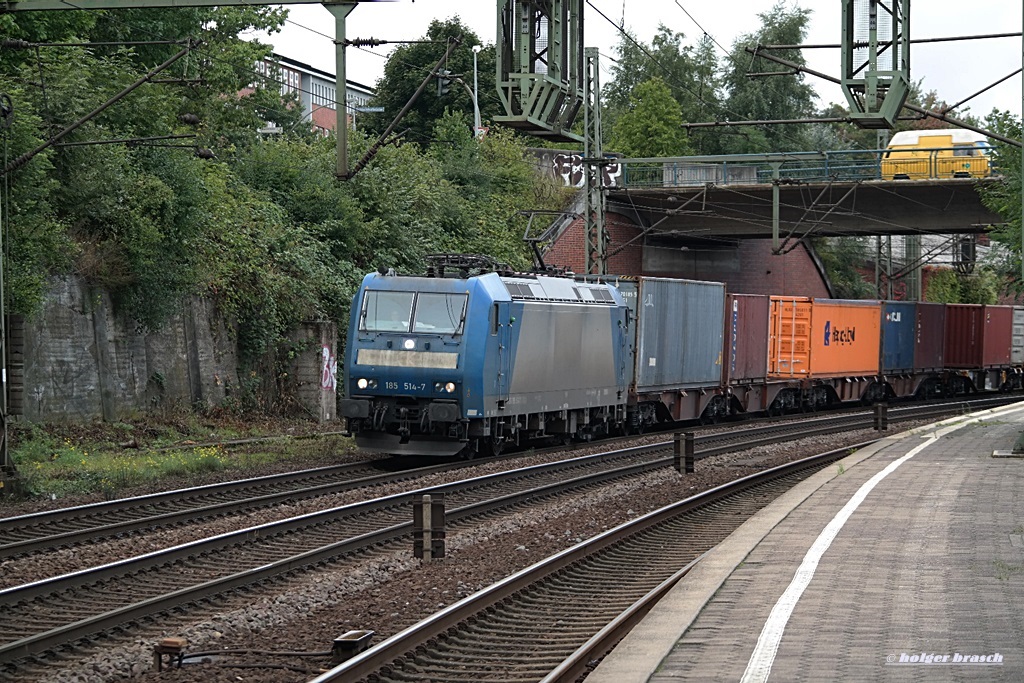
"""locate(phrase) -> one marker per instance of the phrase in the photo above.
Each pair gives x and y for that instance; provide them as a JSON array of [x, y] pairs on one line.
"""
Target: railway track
[[67, 527], [53, 612], [72, 526], [548, 621], [59, 612]]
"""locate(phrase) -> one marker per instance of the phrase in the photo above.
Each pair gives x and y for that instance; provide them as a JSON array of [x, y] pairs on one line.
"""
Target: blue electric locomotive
[[452, 363]]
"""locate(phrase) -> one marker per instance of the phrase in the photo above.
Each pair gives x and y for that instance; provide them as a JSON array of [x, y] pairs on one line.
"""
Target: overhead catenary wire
[[697, 96], [920, 110]]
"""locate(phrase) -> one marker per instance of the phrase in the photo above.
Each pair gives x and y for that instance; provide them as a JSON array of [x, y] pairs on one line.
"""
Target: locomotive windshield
[[440, 313], [428, 312], [387, 311]]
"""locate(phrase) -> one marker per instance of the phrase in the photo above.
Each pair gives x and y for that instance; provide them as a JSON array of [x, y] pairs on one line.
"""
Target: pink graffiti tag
[[329, 371]]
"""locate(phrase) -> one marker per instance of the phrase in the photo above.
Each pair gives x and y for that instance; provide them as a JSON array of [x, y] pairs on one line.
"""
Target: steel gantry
[[876, 60]]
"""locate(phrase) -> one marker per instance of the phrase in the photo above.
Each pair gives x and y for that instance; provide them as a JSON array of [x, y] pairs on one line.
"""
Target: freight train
[[470, 357]]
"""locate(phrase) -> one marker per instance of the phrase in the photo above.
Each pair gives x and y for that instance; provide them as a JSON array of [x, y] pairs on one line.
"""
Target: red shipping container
[[978, 336], [746, 338], [998, 336], [930, 336]]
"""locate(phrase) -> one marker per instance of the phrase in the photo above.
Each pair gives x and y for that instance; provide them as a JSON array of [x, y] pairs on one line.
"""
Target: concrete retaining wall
[[82, 361]]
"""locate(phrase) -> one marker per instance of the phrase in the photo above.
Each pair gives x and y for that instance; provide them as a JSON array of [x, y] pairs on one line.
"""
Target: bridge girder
[[731, 212]]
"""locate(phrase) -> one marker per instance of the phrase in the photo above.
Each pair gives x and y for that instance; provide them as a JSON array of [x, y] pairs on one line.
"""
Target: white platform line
[[760, 664]]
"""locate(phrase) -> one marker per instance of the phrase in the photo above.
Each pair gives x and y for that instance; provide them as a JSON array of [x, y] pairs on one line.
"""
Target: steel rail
[[57, 586], [46, 530], [87, 627], [145, 511], [398, 646], [147, 508]]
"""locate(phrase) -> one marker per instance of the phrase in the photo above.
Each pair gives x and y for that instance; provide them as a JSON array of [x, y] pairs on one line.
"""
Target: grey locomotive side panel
[[680, 332], [564, 358]]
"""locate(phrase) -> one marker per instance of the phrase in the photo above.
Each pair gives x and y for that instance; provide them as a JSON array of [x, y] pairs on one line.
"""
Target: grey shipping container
[[679, 332], [1017, 347], [746, 338]]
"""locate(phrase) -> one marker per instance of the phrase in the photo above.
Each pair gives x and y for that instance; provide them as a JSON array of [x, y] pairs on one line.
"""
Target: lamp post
[[476, 104]]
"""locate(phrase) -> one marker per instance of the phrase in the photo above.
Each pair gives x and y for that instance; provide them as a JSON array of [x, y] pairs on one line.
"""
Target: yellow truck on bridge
[[944, 153]]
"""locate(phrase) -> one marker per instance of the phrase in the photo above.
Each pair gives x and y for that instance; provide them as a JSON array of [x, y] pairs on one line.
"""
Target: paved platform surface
[[905, 561]]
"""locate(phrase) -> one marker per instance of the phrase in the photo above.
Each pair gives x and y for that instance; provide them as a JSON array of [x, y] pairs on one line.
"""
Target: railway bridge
[[792, 195], [741, 219]]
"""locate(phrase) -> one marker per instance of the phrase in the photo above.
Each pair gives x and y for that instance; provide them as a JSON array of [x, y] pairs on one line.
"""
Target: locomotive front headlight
[[450, 387], [362, 383], [409, 344]]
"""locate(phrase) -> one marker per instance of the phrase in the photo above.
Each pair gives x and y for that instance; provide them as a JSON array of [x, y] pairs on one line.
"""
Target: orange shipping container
[[822, 338]]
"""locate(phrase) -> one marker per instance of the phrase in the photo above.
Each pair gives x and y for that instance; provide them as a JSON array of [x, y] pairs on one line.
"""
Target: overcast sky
[[955, 70]]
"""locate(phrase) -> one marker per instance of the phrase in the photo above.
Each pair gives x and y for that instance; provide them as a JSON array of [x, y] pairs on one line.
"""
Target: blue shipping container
[[899, 323]]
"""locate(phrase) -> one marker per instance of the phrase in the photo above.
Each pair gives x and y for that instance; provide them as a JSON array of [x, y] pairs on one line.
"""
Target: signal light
[[444, 82]]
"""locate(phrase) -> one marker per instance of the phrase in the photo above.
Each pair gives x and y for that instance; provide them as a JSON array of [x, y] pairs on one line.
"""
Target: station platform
[[903, 561]]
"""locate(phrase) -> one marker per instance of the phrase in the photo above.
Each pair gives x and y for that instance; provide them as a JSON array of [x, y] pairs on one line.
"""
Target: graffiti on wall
[[569, 167], [329, 369]]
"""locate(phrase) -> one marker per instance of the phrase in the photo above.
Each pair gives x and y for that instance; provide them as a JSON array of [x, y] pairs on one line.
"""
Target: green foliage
[[949, 286], [773, 97], [1004, 197], [980, 287], [652, 126], [49, 467], [131, 219], [408, 65], [840, 256], [689, 73], [943, 287]]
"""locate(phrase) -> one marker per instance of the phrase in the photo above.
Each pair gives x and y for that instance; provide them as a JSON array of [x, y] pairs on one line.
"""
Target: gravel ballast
[[382, 592]]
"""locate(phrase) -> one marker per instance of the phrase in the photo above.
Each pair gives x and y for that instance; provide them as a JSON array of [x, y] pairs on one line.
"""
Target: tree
[[652, 126], [769, 97], [409, 64], [1004, 197], [127, 217], [689, 75], [265, 230], [840, 257]]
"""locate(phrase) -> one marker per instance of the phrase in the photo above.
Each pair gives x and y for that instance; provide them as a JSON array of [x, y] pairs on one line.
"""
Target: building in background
[[316, 90]]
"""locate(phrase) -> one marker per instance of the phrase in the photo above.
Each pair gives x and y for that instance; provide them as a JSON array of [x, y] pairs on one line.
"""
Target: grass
[[1005, 571], [116, 459]]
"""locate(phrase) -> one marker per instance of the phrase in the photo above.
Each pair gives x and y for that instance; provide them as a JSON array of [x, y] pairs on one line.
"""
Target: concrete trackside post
[[682, 452], [428, 527], [881, 417], [437, 527]]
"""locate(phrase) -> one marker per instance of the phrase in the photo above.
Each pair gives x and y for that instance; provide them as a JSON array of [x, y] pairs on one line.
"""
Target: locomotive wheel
[[489, 448]]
